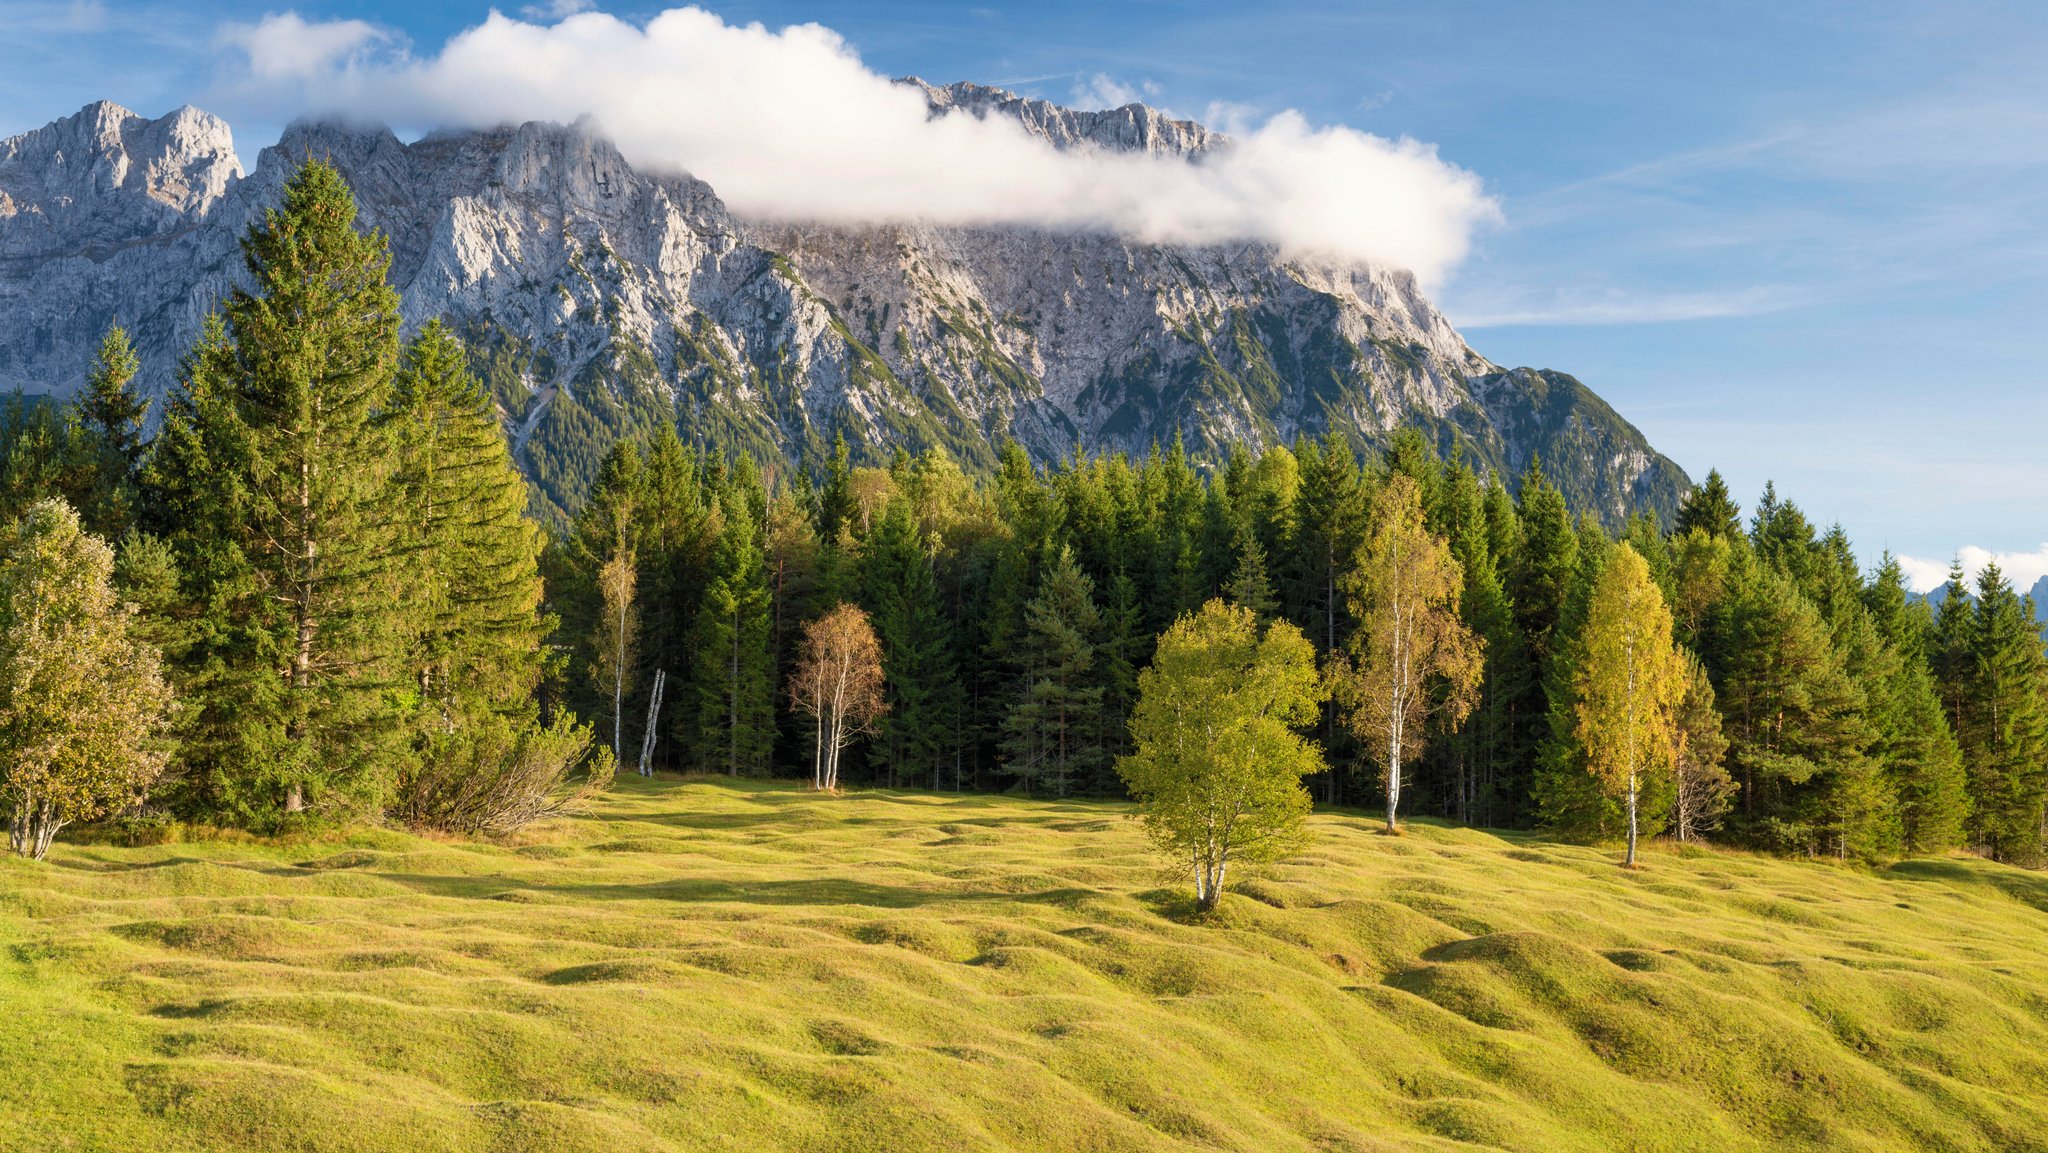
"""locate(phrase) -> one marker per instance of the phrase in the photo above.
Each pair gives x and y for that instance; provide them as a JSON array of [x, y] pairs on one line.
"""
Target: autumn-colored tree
[[618, 629], [838, 683], [1412, 653], [82, 704], [1218, 761], [1629, 682]]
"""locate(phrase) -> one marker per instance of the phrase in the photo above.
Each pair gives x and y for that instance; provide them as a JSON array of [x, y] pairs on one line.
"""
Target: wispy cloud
[[1490, 308]]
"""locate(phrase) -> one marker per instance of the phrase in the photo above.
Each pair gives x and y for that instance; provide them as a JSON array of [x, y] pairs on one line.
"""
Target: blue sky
[[1800, 241]]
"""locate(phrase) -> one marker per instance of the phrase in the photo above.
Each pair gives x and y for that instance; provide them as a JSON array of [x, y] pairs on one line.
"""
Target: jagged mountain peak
[[104, 177], [601, 299], [1131, 128]]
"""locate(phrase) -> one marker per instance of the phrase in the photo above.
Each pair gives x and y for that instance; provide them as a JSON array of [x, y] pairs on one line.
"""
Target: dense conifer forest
[[327, 541]]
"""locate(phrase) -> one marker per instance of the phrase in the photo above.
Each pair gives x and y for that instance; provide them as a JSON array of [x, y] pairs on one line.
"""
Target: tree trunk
[[32, 828], [1632, 791], [295, 798], [1393, 773]]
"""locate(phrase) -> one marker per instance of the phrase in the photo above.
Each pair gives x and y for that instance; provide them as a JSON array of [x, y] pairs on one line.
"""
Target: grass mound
[[700, 966]]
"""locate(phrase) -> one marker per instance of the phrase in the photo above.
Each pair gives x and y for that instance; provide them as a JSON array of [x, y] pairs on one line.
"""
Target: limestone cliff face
[[600, 299]]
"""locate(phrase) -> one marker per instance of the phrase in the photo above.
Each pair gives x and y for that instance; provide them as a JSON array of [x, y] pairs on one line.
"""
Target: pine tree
[[1709, 510], [111, 415], [1796, 727], [2005, 722], [1124, 650], [1949, 647], [1915, 745], [1053, 725], [474, 587], [1249, 586], [1701, 789], [277, 470], [1331, 514], [925, 702], [1567, 796], [731, 670], [1544, 570]]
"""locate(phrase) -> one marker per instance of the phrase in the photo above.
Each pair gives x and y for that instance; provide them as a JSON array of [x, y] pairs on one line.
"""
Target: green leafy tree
[[838, 683], [1217, 756], [1630, 681], [82, 704], [617, 643]]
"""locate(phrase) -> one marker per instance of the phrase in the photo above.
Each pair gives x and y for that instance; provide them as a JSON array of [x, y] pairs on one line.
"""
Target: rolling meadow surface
[[708, 965]]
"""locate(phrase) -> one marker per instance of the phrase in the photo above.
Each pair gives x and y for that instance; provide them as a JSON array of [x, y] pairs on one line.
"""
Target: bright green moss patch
[[699, 966]]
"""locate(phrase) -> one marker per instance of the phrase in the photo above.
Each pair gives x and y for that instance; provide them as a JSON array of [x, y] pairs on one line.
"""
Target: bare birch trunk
[[1633, 789]]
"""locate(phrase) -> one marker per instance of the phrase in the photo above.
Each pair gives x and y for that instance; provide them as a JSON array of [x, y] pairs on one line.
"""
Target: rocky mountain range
[[599, 299]]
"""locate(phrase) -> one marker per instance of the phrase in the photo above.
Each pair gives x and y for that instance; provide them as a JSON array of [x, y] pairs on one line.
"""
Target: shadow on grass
[[2025, 887], [822, 892]]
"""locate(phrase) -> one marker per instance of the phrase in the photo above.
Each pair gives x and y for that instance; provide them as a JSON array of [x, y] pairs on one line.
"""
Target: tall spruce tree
[[1052, 728], [1915, 745], [1545, 570], [923, 682], [1709, 509], [731, 667], [474, 587], [2005, 722], [1798, 737], [111, 414], [277, 465]]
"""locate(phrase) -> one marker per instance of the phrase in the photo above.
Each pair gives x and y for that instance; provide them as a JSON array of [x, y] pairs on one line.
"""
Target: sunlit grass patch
[[717, 965]]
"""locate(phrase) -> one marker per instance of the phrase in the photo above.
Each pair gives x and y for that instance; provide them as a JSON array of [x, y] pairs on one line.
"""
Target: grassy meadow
[[699, 965]]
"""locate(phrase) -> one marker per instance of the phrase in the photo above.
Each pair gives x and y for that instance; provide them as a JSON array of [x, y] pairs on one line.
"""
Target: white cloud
[[790, 124], [285, 48], [1488, 306], [2023, 569]]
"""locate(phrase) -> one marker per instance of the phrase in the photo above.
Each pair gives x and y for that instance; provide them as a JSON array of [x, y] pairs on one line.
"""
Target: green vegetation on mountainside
[[751, 966]]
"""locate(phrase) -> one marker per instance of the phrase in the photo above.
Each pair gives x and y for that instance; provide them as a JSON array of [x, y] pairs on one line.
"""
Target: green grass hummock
[[705, 965]]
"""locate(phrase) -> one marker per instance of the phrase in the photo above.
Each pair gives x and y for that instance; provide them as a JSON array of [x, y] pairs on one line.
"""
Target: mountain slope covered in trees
[[601, 301]]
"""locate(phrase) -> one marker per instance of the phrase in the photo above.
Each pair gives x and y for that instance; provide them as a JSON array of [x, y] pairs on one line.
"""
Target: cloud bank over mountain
[[791, 125]]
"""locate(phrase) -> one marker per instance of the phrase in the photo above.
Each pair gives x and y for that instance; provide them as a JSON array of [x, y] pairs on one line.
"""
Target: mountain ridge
[[600, 299]]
